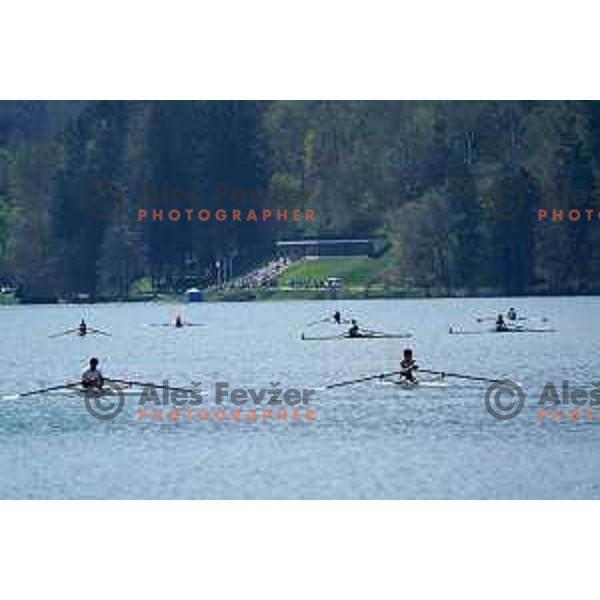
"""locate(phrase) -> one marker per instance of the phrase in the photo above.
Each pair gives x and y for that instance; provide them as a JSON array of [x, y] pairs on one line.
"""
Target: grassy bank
[[306, 280], [354, 272]]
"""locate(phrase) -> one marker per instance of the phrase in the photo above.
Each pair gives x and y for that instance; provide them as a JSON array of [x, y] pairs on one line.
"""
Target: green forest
[[412, 173]]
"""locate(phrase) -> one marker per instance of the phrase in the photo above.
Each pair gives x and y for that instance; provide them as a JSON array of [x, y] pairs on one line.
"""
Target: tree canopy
[[415, 173]]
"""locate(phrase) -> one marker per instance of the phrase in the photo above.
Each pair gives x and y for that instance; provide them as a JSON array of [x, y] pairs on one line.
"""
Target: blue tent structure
[[194, 295]]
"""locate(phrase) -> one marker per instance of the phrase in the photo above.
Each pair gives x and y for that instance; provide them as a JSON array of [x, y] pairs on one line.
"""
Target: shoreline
[[278, 294]]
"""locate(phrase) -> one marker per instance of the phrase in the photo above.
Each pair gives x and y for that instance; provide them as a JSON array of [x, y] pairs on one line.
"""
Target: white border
[[277, 50], [272, 49], [297, 550]]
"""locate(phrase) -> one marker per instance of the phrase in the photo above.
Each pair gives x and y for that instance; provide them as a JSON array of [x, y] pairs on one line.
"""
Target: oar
[[42, 391], [327, 320], [317, 322], [145, 383], [482, 319], [98, 331], [63, 332], [173, 325], [361, 379], [461, 376]]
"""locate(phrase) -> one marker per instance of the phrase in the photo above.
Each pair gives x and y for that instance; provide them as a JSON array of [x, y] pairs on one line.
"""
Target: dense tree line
[[416, 173], [53, 246]]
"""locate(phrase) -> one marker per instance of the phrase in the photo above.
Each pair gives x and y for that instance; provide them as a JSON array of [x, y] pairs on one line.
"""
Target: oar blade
[[53, 388]]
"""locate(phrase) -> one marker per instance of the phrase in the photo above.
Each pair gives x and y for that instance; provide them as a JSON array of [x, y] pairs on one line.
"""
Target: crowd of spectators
[[264, 276]]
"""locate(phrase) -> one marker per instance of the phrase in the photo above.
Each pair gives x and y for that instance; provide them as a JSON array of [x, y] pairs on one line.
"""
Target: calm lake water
[[367, 441]]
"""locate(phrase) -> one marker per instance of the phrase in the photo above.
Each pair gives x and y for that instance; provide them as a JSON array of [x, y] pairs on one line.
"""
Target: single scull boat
[[359, 336], [517, 329]]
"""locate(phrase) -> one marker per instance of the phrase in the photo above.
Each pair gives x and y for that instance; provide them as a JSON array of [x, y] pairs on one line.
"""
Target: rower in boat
[[354, 330], [93, 377], [511, 315], [337, 317], [408, 366], [82, 329], [178, 321], [501, 324]]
